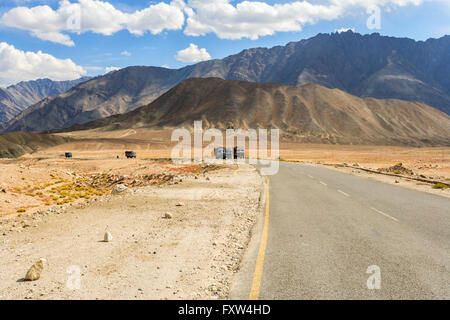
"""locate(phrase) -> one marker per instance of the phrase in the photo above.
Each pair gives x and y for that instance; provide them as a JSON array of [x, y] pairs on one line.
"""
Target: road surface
[[325, 229]]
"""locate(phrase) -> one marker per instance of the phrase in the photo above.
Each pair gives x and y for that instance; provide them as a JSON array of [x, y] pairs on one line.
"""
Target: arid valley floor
[[179, 230]]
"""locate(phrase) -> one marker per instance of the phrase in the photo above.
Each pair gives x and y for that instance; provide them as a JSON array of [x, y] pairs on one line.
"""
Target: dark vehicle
[[130, 154], [222, 153], [239, 152], [228, 154], [219, 153], [68, 154]]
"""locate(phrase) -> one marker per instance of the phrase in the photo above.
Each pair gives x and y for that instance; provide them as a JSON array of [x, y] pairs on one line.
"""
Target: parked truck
[[239, 152], [226, 153], [130, 154]]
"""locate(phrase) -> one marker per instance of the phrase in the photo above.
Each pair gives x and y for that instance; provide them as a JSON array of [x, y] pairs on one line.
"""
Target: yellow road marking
[[257, 275]]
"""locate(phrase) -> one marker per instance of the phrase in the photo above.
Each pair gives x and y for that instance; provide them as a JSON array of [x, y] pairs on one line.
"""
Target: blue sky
[[37, 43]]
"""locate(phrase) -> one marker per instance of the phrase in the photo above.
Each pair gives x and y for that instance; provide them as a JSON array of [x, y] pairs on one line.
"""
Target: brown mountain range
[[309, 113], [362, 65]]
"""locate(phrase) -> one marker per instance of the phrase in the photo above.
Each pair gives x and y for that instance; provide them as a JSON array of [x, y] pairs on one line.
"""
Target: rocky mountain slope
[[16, 144], [365, 66], [17, 98], [308, 113]]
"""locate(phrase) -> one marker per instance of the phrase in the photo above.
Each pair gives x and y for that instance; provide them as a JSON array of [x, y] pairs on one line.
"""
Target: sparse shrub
[[21, 210], [440, 186]]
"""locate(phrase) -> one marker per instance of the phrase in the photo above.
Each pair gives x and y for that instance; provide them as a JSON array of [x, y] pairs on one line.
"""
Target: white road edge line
[[310, 176], [345, 194], [321, 182], [384, 214]]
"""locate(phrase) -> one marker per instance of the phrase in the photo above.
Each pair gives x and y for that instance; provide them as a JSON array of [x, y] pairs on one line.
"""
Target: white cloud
[[54, 37], [192, 54], [17, 65], [344, 30], [225, 18], [165, 66], [93, 16], [126, 53], [253, 19], [111, 69]]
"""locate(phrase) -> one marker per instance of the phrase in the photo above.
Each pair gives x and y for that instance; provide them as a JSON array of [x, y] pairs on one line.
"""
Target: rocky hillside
[[365, 66], [15, 144], [308, 113], [17, 98]]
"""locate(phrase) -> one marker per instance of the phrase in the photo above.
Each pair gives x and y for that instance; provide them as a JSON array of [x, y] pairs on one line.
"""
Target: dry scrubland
[[428, 161], [179, 231]]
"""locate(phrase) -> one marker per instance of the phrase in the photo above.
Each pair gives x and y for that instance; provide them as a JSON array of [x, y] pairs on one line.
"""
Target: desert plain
[[179, 230]]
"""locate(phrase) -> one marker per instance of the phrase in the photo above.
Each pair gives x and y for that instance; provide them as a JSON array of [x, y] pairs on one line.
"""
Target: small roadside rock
[[167, 216], [34, 273], [119, 189], [108, 237], [180, 204]]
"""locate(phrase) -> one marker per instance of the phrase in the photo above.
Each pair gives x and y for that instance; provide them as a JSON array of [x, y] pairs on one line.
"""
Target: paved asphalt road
[[326, 228]]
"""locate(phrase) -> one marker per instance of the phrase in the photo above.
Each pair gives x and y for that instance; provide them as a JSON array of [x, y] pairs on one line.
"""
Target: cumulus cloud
[[225, 18], [192, 54], [94, 16], [253, 19], [17, 65], [126, 53]]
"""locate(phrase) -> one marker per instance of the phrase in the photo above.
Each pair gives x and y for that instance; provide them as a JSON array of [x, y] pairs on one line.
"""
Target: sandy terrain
[[431, 161], [193, 255], [59, 209], [32, 183]]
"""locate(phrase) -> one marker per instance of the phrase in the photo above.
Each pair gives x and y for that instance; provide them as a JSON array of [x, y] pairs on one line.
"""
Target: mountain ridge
[[362, 65], [308, 113], [16, 98]]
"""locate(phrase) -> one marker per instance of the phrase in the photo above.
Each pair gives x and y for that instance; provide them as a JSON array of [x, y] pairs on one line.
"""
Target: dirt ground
[[27, 182], [59, 209], [430, 161], [193, 254]]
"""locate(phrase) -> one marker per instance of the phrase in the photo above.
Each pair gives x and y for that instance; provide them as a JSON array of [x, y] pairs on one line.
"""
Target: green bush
[[440, 186]]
